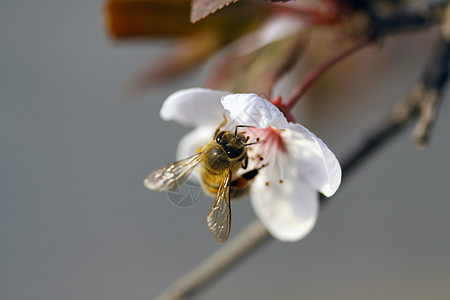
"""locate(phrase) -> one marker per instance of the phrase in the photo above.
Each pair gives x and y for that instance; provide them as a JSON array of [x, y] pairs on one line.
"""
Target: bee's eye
[[233, 152], [219, 137]]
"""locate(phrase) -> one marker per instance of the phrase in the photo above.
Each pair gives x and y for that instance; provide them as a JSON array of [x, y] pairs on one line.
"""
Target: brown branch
[[380, 26], [319, 70], [428, 107], [433, 82], [405, 20]]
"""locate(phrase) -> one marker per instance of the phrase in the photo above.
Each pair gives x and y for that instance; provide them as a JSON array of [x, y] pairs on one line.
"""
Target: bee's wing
[[219, 218], [172, 176]]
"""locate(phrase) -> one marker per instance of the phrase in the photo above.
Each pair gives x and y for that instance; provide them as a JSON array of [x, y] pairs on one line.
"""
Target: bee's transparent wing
[[219, 218], [172, 176]]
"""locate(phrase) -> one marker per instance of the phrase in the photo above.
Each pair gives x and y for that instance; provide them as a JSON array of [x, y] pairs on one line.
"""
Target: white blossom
[[294, 163]]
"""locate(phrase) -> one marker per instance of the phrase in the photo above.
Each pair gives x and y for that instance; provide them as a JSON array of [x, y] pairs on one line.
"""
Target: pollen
[[267, 183], [281, 181]]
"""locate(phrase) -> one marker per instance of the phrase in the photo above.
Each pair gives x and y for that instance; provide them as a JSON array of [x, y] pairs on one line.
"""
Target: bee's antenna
[[237, 126], [258, 140]]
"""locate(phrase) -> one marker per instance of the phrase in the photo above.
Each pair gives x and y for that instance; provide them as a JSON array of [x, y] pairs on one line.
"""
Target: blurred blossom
[[266, 39], [193, 42], [258, 60]]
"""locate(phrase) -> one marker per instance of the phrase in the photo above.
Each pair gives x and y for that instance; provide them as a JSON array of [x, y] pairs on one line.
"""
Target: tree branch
[[433, 82], [407, 20], [380, 26]]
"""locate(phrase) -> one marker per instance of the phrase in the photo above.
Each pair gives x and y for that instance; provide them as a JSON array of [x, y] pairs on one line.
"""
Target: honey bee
[[219, 161]]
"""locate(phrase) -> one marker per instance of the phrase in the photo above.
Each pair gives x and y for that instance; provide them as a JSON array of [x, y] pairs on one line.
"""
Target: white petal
[[312, 160], [193, 140], [252, 110], [194, 107], [288, 210]]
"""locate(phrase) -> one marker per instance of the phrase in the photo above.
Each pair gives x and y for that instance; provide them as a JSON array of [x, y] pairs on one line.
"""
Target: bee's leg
[[245, 163], [242, 126], [242, 181], [224, 122], [240, 187]]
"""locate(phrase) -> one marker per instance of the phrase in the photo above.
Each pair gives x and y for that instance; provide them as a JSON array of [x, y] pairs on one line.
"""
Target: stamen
[[281, 164]]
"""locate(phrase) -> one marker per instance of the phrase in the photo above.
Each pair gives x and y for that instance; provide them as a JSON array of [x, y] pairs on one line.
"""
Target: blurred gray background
[[77, 223]]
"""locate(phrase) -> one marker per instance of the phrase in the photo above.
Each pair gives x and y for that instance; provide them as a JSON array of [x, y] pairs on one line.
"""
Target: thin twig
[[405, 20], [380, 26], [320, 69], [434, 79], [374, 140], [428, 106]]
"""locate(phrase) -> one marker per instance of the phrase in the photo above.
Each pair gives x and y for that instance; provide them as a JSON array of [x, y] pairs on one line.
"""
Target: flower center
[[272, 139], [270, 147], [272, 150]]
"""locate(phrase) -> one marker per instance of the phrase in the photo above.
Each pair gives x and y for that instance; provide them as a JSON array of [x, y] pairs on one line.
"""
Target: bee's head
[[233, 144]]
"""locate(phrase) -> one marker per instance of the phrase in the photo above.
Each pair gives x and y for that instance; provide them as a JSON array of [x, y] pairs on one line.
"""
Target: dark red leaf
[[202, 8]]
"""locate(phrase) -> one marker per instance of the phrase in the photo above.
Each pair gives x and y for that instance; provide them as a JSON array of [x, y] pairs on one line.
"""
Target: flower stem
[[320, 69]]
